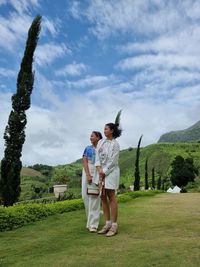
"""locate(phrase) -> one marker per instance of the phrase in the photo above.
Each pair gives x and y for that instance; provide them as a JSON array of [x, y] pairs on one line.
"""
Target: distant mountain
[[190, 134]]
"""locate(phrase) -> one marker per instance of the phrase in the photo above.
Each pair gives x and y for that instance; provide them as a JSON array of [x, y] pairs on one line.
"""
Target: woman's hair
[[116, 130], [98, 134]]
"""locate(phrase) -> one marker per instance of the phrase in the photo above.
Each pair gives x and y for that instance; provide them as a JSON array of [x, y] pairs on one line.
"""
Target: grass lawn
[[163, 230]]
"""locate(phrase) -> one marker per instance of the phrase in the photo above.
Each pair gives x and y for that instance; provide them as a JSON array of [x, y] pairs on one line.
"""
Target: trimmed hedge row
[[135, 194], [20, 215]]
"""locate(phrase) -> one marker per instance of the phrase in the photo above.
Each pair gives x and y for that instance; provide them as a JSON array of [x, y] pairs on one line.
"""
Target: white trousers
[[92, 206]]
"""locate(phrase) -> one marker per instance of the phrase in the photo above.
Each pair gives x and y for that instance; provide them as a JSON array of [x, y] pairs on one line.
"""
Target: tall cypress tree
[[15, 130], [159, 183], [153, 178], [146, 175], [137, 170]]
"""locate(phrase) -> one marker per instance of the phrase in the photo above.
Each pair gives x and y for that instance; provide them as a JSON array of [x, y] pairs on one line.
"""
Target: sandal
[[112, 231], [105, 229]]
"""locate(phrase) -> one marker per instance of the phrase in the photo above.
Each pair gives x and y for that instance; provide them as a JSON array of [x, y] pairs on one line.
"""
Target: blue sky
[[95, 58]]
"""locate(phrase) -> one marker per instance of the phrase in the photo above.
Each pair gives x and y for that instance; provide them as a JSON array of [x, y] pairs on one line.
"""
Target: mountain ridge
[[190, 134]]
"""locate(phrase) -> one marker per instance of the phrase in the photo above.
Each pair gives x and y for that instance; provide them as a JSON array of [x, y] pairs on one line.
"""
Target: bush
[[135, 194], [19, 215], [22, 214]]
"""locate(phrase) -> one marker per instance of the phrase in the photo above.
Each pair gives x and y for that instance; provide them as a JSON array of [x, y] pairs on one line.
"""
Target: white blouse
[[107, 157]]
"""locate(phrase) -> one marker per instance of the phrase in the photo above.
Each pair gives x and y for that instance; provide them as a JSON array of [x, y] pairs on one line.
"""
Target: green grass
[[157, 231]]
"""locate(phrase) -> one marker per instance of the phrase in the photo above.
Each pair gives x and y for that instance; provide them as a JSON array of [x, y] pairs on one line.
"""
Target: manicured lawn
[[163, 230]]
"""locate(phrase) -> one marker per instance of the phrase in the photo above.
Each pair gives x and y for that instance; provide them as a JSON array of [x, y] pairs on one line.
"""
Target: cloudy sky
[[95, 57]]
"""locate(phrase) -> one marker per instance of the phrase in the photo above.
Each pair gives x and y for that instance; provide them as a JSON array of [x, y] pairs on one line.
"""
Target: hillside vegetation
[[159, 156], [188, 135]]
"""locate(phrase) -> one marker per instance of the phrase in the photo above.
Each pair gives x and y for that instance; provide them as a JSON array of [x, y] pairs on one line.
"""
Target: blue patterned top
[[89, 153]]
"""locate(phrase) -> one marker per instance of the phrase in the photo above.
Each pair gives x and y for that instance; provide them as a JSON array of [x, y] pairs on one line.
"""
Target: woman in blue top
[[89, 175]]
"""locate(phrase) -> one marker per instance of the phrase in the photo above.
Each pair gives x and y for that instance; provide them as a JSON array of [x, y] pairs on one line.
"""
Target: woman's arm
[[86, 169], [98, 163]]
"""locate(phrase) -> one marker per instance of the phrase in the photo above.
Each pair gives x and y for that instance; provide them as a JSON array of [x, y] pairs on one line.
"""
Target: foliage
[[135, 194], [70, 174], [146, 175], [159, 156], [45, 170], [22, 214], [15, 130], [137, 170], [194, 186], [34, 187], [17, 216], [183, 171], [153, 178], [159, 183]]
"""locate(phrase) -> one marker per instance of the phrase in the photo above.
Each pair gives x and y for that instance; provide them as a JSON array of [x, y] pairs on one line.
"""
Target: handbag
[[92, 189]]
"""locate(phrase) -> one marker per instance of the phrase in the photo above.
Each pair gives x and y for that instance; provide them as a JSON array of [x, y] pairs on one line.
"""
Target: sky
[[94, 58]]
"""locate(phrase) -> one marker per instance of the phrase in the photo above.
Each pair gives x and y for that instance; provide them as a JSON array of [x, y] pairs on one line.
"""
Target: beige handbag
[[92, 189]]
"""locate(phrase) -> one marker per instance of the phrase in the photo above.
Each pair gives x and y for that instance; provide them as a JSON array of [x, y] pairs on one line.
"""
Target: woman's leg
[[84, 194], [105, 206], [106, 213], [113, 204], [93, 212]]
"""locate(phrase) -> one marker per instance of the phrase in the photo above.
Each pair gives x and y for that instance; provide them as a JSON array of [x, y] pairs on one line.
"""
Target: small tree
[[15, 130], [153, 178], [183, 171], [137, 170], [146, 175]]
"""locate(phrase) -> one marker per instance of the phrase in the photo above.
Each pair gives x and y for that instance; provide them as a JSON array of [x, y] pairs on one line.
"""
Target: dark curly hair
[[115, 127], [98, 134]]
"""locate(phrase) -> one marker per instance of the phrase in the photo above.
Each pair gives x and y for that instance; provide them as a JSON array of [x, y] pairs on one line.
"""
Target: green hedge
[[135, 194], [19, 215]]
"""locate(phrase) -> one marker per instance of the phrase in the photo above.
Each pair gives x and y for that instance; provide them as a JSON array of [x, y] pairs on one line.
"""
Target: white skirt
[[112, 179]]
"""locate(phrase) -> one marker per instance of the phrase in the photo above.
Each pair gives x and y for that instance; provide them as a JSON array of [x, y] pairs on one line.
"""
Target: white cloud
[[74, 69], [59, 133], [22, 6], [13, 30], [48, 52], [90, 81], [7, 72], [167, 61], [142, 17], [50, 26], [75, 9], [156, 81]]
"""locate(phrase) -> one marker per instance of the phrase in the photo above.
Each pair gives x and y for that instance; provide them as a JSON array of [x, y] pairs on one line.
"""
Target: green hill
[[159, 156], [25, 171], [188, 135]]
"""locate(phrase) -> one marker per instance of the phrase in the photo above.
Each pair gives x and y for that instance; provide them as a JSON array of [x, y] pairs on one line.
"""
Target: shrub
[[22, 214], [19, 215]]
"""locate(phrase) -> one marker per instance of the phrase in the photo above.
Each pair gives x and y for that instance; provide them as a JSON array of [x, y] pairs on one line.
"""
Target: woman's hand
[[89, 179], [101, 175]]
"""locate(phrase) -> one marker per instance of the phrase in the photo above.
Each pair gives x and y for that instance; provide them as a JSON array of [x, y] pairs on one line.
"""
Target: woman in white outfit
[[107, 165], [89, 175]]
